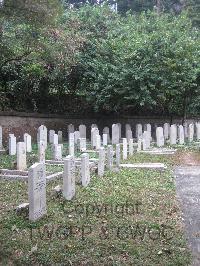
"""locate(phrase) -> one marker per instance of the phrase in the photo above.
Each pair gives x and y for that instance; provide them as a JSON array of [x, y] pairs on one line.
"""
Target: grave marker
[[12, 144], [21, 156], [37, 191], [101, 162], [69, 177], [85, 170]]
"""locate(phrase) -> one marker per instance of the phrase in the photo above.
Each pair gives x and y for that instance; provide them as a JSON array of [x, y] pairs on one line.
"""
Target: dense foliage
[[94, 59]]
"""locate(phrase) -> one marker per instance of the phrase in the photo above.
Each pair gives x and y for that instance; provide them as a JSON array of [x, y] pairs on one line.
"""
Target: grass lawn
[[129, 217]]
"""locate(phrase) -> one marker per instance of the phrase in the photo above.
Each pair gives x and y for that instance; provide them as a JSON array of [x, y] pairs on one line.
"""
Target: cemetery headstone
[[21, 156], [37, 191], [69, 177], [71, 144], [60, 137], [115, 134], [82, 130], [181, 134], [160, 137], [85, 170], [12, 144], [173, 134], [118, 154], [27, 140], [110, 157], [124, 150], [101, 162]]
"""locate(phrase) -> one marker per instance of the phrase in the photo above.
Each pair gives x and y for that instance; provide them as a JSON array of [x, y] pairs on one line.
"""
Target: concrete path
[[188, 190]]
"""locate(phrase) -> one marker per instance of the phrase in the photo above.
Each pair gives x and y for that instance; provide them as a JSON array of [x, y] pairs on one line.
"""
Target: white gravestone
[[101, 162], [106, 130], [160, 137], [71, 144], [55, 139], [42, 135], [181, 134], [139, 131], [118, 154], [12, 144], [185, 126], [129, 134], [57, 152], [124, 149], [85, 169], [70, 129], [105, 139], [139, 146], [27, 140], [146, 139], [120, 130], [21, 156], [173, 134], [82, 144], [51, 136], [69, 178], [37, 191], [82, 130], [41, 152], [166, 128], [130, 147], [76, 136], [1, 138], [110, 157], [60, 138], [98, 142], [94, 133], [198, 131], [115, 134], [191, 132]]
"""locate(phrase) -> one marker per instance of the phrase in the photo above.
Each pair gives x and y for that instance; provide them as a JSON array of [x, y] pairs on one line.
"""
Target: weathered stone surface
[[21, 156], [12, 144], [139, 131], [115, 134], [106, 130], [82, 130], [69, 178], [101, 161], [94, 133], [191, 132], [110, 157], [27, 140], [160, 141], [124, 149], [118, 154], [51, 136], [85, 169], [37, 191], [105, 139], [57, 152], [42, 135], [173, 134], [158, 166], [166, 129], [41, 152], [130, 146], [60, 137], [181, 134], [70, 129], [71, 144]]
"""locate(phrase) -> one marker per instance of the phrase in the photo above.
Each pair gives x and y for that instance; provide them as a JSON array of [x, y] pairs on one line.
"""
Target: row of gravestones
[[183, 132], [37, 175]]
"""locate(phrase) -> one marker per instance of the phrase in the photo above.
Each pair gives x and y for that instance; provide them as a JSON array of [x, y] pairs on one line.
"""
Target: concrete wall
[[20, 123]]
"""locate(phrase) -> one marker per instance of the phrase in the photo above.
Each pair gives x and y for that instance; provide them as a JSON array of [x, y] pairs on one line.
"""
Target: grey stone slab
[[187, 181]]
